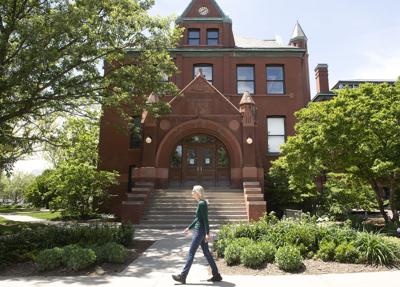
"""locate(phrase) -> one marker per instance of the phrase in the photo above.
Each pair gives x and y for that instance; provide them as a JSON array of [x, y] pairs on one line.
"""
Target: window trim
[[268, 136], [204, 65], [275, 81], [209, 38], [189, 38], [237, 77]]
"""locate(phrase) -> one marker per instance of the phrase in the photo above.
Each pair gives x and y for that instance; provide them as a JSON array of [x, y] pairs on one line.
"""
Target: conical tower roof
[[298, 32]]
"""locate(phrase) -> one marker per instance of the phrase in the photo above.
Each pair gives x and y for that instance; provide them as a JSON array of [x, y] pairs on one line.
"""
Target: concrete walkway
[[21, 218], [167, 256]]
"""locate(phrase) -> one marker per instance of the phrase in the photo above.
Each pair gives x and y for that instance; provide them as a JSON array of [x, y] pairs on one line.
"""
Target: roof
[[298, 32], [247, 99], [362, 81], [246, 42]]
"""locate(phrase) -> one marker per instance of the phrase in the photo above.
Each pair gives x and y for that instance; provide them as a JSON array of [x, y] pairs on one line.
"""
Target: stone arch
[[199, 126]]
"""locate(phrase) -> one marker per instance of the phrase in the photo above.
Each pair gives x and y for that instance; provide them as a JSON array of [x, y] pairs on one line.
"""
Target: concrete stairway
[[175, 208]]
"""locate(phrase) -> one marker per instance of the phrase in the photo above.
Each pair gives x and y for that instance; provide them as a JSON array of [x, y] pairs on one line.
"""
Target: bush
[[49, 259], [346, 253], [234, 250], [16, 248], [289, 258], [77, 258], [111, 252], [374, 248], [232, 254], [326, 250], [268, 251], [252, 256]]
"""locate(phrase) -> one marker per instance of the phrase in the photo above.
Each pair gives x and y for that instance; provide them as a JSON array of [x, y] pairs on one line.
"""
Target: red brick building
[[237, 104]]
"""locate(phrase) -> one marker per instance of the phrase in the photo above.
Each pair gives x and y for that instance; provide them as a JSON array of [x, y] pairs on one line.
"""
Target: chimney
[[321, 75]]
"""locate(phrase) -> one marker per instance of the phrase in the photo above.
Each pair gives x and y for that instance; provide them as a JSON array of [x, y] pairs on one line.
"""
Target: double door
[[199, 164]]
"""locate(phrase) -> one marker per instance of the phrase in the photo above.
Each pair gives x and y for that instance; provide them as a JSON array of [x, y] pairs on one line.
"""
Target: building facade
[[236, 108]]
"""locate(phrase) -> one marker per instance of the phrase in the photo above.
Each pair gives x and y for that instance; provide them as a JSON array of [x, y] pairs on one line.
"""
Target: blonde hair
[[199, 190]]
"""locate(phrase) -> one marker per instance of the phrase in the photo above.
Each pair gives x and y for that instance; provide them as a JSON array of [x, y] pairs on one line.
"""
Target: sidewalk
[[167, 256]]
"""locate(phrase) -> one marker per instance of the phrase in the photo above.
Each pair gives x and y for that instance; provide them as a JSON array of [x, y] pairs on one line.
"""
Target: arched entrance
[[199, 159]]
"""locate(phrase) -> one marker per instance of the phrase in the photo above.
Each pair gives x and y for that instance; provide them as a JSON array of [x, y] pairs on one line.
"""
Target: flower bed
[[293, 240]]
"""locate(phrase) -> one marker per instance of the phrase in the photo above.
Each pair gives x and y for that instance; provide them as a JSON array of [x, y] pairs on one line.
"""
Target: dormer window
[[212, 37], [194, 37]]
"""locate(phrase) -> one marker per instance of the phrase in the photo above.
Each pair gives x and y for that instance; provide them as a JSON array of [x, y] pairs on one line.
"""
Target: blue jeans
[[199, 240]]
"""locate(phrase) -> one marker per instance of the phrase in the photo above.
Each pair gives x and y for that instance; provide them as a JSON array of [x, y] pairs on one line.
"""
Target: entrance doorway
[[200, 159]]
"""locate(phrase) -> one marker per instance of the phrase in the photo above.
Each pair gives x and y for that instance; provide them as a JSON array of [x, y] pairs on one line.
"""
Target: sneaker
[[215, 278], [179, 278]]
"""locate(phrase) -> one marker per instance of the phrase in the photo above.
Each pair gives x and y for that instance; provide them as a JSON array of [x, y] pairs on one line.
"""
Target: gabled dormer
[[206, 25]]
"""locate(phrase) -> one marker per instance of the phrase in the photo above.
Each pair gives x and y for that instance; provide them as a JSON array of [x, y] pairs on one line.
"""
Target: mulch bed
[[310, 267], [29, 268]]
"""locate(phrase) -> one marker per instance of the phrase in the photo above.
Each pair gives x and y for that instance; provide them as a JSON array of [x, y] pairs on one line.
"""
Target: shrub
[[268, 251], [232, 254], [111, 252], [326, 250], [252, 256], [346, 253], [375, 249], [78, 258], [16, 248], [394, 245], [289, 258], [49, 259], [234, 250]]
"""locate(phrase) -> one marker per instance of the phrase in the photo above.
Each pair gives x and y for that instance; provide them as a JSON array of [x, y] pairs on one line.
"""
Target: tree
[[15, 186], [79, 188], [74, 185], [51, 53], [357, 134]]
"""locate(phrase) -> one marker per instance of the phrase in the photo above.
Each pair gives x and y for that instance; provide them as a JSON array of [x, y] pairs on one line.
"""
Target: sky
[[358, 39]]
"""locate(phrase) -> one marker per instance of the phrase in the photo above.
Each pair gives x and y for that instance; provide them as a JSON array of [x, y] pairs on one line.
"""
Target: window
[[276, 134], [245, 79], [275, 80], [194, 37], [136, 133], [205, 69], [212, 37]]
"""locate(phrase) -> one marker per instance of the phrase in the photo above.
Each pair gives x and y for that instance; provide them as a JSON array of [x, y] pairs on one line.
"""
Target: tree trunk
[[378, 195], [392, 201]]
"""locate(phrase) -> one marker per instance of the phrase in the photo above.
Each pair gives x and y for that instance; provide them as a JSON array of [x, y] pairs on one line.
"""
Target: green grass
[[13, 209], [48, 215]]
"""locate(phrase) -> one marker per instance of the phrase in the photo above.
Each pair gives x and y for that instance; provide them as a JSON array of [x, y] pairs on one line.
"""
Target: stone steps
[[175, 208]]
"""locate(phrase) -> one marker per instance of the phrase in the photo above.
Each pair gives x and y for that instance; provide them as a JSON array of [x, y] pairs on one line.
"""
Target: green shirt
[[201, 217]]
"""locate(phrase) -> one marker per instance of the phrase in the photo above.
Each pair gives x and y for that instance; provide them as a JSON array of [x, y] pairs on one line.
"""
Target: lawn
[[48, 215], [13, 209]]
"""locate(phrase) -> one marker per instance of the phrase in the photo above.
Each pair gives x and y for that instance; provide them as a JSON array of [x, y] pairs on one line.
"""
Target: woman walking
[[200, 238]]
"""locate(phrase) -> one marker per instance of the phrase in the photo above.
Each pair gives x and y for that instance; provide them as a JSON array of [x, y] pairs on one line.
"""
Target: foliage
[[78, 258], [39, 194], [326, 251], [20, 246], [50, 55], [49, 259], [234, 249], [346, 253], [267, 250], [111, 252], [374, 248], [8, 227], [289, 258], [15, 186], [345, 192], [80, 188], [357, 133], [252, 256]]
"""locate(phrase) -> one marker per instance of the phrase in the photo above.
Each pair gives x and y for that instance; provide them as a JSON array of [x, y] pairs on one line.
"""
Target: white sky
[[358, 39]]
